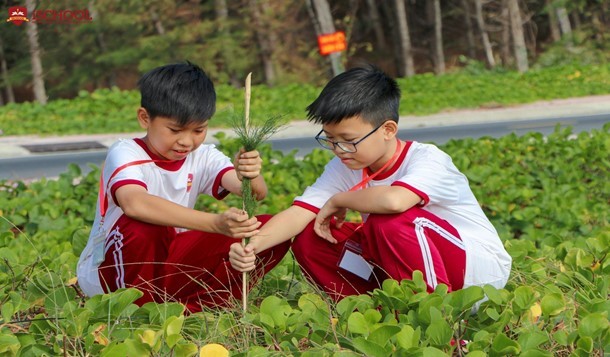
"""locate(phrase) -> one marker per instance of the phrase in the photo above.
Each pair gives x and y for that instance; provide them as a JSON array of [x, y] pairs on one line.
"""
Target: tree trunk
[[101, 42], [516, 26], [505, 48], [353, 7], [40, 93], [264, 40], [222, 12], [8, 88], [598, 27], [433, 9], [222, 15], [553, 23], [377, 26], [157, 22], [388, 13], [575, 20], [471, 50], [489, 56], [406, 66], [564, 21], [324, 18]]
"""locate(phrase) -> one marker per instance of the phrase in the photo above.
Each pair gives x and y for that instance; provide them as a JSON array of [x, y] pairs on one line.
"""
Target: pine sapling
[[250, 137]]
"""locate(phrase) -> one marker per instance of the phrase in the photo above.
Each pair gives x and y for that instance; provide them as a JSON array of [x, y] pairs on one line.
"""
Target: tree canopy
[[277, 39]]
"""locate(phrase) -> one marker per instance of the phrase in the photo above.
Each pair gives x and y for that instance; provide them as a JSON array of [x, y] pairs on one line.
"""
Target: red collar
[[398, 156], [159, 161], [397, 164]]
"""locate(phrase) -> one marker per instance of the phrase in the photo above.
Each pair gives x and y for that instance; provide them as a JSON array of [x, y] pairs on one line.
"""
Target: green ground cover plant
[[548, 197], [113, 110]]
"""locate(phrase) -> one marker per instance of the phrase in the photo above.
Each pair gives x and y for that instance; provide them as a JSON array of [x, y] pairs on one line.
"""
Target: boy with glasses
[[418, 210]]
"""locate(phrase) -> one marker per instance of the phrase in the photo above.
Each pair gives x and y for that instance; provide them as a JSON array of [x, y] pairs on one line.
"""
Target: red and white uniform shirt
[[177, 181], [430, 173]]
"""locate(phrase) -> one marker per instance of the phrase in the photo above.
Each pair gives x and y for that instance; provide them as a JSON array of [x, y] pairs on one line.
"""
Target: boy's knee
[[377, 219], [381, 222], [391, 221], [126, 223], [304, 241], [134, 231]]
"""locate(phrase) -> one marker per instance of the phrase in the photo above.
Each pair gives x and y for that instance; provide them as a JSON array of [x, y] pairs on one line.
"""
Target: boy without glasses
[[418, 210], [146, 233]]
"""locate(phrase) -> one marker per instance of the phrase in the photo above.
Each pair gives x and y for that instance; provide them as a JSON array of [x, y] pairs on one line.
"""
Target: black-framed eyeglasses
[[343, 145]]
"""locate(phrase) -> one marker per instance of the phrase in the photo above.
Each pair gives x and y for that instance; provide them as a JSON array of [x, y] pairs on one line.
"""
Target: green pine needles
[[250, 137]]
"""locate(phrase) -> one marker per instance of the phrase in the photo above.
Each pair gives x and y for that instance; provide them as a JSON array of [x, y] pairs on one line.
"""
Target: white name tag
[[353, 262]]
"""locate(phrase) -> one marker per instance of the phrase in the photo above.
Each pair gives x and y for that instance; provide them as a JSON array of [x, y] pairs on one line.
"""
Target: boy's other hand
[[235, 223], [324, 220], [248, 164], [242, 258]]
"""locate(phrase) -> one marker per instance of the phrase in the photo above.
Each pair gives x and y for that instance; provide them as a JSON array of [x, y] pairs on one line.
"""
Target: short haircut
[[180, 91], [366, 92]]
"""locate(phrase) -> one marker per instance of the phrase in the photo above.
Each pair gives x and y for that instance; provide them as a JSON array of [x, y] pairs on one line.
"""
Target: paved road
[[441, 134], [51, 165]]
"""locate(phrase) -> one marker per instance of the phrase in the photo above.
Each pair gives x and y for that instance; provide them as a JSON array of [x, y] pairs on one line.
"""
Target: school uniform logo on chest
[[189, 182]]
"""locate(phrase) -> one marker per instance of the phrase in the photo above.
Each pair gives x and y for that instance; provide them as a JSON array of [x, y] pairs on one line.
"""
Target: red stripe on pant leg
[[135, 252], [319, 258], [399, 247], [198, 272]]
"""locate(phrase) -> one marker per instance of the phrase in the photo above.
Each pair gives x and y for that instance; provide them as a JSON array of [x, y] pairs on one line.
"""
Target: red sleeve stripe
[[307, 206], [422, 195], [124, 183], [217, 190]]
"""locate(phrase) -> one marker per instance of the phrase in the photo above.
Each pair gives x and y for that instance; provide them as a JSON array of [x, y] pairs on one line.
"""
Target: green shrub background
[[113, 111], [547, 196]]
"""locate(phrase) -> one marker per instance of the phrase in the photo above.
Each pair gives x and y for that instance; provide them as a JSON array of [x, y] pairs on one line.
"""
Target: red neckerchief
[[366, 178]]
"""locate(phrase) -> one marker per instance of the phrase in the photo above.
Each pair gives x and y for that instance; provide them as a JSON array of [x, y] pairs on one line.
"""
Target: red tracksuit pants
[[395, 244], [190, 267]]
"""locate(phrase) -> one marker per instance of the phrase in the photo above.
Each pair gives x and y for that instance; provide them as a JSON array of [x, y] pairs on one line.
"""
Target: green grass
[[114, 111]]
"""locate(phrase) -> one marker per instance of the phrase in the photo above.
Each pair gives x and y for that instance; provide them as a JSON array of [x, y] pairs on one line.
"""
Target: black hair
[[361, 91], [180, 91]]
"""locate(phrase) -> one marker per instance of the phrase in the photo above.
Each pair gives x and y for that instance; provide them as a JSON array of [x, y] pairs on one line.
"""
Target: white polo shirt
[[430, 173], [177, 181]]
